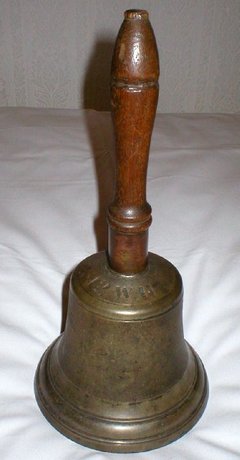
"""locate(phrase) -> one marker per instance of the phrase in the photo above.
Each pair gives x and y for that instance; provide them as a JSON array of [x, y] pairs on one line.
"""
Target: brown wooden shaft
[[134, 95]]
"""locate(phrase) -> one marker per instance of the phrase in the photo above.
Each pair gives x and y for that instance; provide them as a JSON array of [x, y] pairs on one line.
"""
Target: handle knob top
[[136, 14], [135, 58]]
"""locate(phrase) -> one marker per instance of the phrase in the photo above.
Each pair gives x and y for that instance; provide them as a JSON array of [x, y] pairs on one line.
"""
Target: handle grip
[[134, 96]]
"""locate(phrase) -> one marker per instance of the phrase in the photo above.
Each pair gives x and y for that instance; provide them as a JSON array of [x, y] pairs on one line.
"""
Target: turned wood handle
[[134, 95]]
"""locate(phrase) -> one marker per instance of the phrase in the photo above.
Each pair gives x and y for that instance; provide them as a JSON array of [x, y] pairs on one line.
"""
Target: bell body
[[121, 378]]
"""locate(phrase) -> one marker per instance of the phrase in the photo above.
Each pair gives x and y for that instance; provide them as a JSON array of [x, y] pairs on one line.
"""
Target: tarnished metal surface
[[122, 378]]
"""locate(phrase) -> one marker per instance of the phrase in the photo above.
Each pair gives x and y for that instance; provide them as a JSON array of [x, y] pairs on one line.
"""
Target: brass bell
[[121, 378]]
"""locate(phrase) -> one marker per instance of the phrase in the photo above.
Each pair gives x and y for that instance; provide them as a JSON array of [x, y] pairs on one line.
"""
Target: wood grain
[[134, 96]]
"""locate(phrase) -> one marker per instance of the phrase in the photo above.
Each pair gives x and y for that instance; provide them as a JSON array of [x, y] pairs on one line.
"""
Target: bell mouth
[[115, 433]]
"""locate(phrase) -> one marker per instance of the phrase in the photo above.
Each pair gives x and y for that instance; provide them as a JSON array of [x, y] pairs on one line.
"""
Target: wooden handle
[[134, 95]]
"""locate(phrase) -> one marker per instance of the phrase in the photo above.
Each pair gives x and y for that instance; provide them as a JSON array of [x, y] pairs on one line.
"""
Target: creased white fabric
[[56, 176]]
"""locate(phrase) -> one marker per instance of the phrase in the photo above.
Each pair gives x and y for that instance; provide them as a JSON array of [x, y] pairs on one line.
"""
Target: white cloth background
[[57, 53], [56, 174]]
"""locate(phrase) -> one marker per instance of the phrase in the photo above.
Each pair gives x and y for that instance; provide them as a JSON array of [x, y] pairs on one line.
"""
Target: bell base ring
[[181, 407]]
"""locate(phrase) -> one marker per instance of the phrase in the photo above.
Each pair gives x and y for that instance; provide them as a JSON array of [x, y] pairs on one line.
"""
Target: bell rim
[[168, 427]]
